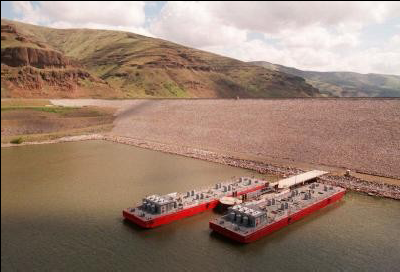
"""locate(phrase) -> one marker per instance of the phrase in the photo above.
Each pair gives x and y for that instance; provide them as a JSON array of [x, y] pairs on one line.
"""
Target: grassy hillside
[[126, 65], [344, 84]]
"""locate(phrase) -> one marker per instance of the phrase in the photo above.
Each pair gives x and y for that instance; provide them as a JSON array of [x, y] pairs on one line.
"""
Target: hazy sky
[[342, 36]]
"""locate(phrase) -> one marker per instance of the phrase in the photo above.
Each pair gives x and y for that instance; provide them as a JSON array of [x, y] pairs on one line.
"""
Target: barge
[[249, 222], [156, 210]]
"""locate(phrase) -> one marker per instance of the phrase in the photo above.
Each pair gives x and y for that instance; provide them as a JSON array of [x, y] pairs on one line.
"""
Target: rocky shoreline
[[348, 182], [60, 140]]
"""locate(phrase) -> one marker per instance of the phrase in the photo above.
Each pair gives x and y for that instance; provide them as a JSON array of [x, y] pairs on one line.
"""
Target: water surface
[[61, 210]]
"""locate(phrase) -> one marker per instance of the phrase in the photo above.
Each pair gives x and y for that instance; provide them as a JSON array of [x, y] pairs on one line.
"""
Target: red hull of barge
[[168, 218], [277, 225]]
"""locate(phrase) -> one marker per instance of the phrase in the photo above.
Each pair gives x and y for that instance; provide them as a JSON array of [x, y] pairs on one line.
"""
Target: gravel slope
[[359, 134]]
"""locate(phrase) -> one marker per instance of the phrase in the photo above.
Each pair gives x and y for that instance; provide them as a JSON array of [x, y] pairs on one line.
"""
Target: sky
[[360, 37]]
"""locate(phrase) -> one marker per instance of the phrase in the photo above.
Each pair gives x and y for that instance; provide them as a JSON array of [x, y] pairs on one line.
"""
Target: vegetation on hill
[[344, 84], [45, 62]]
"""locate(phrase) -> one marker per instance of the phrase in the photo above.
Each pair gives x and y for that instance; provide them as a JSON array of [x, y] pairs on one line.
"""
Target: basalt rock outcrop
[[39, 58], [30, 68], [31, 82]]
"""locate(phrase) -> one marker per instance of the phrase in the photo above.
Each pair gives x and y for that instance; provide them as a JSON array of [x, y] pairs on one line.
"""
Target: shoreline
[[351, 183]]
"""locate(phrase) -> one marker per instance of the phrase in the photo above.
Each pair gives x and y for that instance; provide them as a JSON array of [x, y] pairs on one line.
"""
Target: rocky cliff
[[39, 58], [30, 68]]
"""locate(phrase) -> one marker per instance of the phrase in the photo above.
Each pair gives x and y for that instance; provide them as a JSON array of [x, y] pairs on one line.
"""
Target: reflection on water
[[61, 210]]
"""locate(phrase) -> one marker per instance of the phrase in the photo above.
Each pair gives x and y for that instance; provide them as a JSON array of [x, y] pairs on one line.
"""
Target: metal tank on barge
[[156, 210]]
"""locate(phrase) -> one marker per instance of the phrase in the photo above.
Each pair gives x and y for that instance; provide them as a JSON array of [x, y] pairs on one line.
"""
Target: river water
[[61, 210]]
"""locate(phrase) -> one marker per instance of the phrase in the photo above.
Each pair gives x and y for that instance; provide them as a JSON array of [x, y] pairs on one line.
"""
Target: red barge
[[253, 220], [156, 210]]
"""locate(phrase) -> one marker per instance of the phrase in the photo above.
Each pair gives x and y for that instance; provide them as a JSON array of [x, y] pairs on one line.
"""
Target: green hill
[[344, 84], [45, 62]]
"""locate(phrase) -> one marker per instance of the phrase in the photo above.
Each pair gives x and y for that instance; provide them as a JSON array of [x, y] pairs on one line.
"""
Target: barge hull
[[148, 224], [168, 218], [277, 225]]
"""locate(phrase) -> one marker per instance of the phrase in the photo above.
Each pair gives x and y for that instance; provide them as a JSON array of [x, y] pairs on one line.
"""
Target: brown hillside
[[109, 64]]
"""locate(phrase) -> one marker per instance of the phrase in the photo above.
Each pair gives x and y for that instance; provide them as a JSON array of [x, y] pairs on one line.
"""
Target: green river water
[[61, 210]]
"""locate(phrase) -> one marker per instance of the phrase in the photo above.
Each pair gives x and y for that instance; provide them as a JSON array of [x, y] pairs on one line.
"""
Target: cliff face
[[39, 58], [72, 82], [30, 68], [81, 62]]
